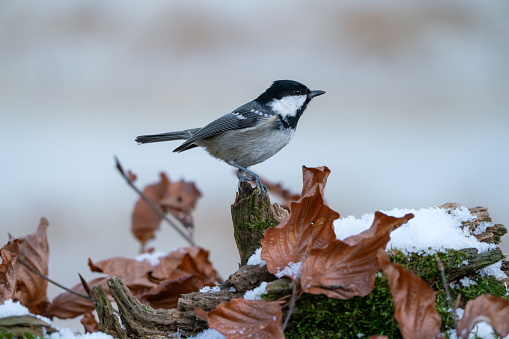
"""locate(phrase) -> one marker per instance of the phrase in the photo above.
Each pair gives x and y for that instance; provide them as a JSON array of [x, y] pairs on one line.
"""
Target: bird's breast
[[249, 146]]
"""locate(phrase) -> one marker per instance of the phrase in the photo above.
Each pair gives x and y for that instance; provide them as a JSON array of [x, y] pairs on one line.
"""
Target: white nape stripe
[[289, 105]]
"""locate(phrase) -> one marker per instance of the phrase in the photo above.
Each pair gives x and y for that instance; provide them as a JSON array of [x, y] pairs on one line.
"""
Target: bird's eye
[[297, 92]]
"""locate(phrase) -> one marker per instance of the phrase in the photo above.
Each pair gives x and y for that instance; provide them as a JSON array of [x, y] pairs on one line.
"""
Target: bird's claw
[[262, 188]]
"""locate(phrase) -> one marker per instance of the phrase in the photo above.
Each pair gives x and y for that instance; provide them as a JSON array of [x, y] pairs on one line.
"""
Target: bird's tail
[[145, 139]]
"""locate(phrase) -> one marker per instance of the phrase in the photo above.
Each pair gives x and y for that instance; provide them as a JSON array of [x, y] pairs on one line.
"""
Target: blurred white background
[[415, 115]]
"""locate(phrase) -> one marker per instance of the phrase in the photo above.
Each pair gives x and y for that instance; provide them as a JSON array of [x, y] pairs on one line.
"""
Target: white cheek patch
[[288, 106]]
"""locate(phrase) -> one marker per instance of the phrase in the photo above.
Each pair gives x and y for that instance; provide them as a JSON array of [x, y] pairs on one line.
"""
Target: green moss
[[5, 334], [316, 316]]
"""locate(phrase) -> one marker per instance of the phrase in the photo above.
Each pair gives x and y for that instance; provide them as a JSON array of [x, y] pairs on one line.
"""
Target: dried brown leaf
[[344, 270], [145, 221], [8, 279], [167, 293], [121, 267], [67, 305], [180, 200], [31, 288], [187, 260], [241, 318], [308, 226], [89, 322], [493, 310], [413, 299]]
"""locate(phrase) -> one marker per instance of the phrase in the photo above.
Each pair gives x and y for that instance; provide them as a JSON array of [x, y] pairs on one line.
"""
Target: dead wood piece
[[248, 277], [142, 321], [108, 321], [206, 301], [475, 261], [252, 214], [493, 232], [21, 325]]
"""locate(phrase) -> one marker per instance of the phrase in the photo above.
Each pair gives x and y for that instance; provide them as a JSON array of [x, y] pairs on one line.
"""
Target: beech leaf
[[178, 198], [308, 226], [145, 221], [31, 288], [187, 260], [242, 318], [344, 270], [89, 322], [9, 254], [68, 305], [493, 310], [167, 293], [414, 301]]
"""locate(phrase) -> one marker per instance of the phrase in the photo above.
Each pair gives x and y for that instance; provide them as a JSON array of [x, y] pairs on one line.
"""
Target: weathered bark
[[252, 214], [21, 325]]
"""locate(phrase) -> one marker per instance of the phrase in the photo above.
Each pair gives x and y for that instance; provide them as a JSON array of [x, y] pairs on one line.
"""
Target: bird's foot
[[262, 189]]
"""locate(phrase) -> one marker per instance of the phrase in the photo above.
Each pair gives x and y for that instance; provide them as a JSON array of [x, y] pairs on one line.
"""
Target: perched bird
[[250, 134]]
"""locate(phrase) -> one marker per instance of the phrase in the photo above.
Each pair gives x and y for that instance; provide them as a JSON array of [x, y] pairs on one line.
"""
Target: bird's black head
[[289, 99]]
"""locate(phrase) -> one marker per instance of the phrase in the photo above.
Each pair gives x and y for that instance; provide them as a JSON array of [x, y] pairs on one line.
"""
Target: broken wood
[[252, 214]]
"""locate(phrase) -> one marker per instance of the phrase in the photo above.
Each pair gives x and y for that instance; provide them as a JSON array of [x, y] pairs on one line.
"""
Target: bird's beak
[[313, 94]]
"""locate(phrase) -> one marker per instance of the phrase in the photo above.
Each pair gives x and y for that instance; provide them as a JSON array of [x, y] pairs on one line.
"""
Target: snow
[[466, 281], [13, 308], [431, 230], [208, 289], [493, 270], [482, 227], [256, 258], [481, 330], [151, 258], [293, 269], [256, 293], [209, 334]]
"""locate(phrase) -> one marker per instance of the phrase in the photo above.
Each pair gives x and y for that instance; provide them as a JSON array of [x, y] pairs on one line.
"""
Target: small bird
[[250, 134]]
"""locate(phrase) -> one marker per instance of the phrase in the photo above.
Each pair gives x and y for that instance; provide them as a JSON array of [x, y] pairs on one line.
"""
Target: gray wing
[[243, 117]]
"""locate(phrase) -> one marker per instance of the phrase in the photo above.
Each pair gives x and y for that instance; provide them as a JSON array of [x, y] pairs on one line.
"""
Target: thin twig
[[291, 305], [154, 207], [51, 281], [85, 285], [447, 293]]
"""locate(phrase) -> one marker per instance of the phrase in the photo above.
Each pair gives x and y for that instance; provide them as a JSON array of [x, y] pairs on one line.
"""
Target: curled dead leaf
[[145, 221], [178, 198], [345, 269], [493, 310], [31, 288], [89, 322], [308, 226], [8, 279], [241, 318], [67, 305], [414, 301], [183, 261], [167, 293]]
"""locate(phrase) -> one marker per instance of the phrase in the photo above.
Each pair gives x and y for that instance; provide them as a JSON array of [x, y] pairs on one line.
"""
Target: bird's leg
[[253, 177]]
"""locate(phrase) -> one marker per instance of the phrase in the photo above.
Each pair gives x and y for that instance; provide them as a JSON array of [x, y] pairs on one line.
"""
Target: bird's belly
[[249, 147]]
